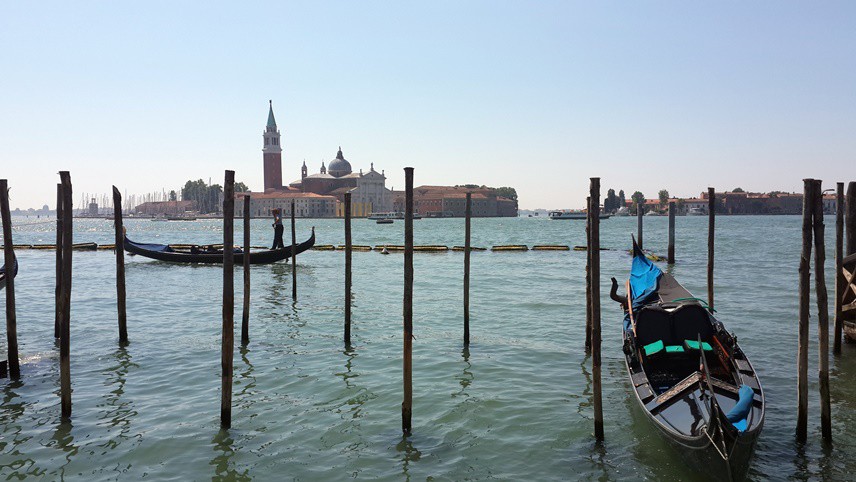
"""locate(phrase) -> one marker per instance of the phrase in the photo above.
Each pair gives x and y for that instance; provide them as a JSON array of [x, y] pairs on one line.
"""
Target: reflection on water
[[117, 411], [466, 376], [587, 400], [408, 453], [224, 467], [63, 440]]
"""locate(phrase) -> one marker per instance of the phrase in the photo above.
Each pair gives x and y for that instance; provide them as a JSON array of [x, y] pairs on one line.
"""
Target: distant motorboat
[[652, 213], [695, 212], [391, 215], [573, 214]]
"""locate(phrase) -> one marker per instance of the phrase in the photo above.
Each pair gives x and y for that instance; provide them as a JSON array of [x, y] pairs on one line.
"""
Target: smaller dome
[[339, 166]]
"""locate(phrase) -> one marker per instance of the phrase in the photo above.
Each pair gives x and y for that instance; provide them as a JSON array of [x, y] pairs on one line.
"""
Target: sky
[[539, 96]]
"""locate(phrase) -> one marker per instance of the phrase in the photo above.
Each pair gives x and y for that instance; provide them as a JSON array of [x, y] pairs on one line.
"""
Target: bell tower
[[272, 153]]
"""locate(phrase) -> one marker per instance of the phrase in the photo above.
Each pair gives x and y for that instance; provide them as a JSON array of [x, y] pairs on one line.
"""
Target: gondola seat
[[691, 321]]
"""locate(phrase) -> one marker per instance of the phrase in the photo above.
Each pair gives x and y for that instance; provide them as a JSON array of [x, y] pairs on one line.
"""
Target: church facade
[[315, 195]]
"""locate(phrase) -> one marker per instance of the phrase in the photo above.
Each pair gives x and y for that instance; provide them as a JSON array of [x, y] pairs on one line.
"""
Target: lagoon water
[[516, 406]]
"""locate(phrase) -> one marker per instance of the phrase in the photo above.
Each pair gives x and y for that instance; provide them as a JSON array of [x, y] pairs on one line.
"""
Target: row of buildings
[[740, 203], [322, 194]]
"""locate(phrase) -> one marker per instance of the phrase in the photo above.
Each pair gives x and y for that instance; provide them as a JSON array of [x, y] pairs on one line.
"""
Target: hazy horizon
[[539, 97]]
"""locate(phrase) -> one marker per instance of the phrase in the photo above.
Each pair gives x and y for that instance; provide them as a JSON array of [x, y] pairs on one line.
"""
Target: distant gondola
[[3, 273], [677, 356], [210, 255]]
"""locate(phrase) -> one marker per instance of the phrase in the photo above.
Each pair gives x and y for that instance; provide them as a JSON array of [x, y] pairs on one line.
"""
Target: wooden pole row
[[9, 260], [65, 296]]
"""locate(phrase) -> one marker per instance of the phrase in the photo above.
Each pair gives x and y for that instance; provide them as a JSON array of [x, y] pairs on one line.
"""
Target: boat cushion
[[693, 345], [653, 324], [653, 348], [674, 349]]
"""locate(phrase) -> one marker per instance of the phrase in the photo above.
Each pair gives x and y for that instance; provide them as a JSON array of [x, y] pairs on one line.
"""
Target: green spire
[[271, 121]]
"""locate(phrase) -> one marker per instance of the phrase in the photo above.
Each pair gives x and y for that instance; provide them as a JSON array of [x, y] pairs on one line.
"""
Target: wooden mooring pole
[[58, 288], [850, 220], [65, 296], [245, 316], [804, 287], [407, 404], [711, 226], [640, 211], [594, 255], [228, 339], [588, 275], [671, 251], [467, 226], [839, 276], [293, 255], [348, 259], [822, 312], [120, 267], [9, 260]]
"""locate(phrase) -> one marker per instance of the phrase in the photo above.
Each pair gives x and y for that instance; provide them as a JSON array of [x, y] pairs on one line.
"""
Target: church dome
[[339, 166]]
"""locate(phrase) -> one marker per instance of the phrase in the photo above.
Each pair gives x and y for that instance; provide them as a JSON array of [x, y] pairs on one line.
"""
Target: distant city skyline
[[539, 97]]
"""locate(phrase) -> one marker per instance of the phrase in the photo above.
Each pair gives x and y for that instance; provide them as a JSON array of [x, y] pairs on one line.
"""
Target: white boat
[[573, 214], [695, 212], [391, 215]]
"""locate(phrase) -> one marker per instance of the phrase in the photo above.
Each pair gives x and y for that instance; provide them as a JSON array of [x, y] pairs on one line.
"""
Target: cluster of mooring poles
[[845, 294]]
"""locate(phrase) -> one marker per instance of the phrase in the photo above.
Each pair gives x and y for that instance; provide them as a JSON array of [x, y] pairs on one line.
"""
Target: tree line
[[207, 197]]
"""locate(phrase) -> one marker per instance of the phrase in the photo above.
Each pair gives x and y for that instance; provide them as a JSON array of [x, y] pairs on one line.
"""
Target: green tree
[[506, 192], [638, 200], [241, 187], [664, 198], [173, 196], [738, 189], [622, 201]]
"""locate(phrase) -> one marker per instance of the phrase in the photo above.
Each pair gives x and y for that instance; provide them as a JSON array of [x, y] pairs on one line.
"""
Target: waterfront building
[[450, 202]]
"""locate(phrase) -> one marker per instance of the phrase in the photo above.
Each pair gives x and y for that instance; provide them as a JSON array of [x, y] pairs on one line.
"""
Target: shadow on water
[[246, 377], [587, 399], [63, 440], [224, 467]]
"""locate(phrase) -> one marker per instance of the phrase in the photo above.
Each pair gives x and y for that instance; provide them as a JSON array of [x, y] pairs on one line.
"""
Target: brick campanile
[[272, 153]]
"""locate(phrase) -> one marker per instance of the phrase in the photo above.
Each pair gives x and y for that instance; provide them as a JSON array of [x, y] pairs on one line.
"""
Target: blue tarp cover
[[644, 282]]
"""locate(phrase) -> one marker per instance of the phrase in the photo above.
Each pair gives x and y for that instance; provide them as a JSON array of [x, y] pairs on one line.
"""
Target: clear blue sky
[[536, 95]]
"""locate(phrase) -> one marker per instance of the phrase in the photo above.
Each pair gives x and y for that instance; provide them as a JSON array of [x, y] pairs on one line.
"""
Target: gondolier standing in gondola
[[277, 230]]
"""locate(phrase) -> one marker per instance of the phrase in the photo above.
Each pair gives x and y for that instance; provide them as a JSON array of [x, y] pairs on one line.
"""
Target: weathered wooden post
[[711, 225], [588, 275], [65, 296], [245, 317], [804, 287], [850, 219], [468, 213], [293, 255], [407, 404], [120, 267], [228, 340], [822, 311], [839, 276], [58, 288], [348, 252], [9, 260], [671, 252], [640, 211], [594, 255]]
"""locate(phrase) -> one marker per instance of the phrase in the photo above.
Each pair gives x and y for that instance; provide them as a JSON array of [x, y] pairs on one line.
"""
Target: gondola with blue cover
[[689, 375], [212, 255]]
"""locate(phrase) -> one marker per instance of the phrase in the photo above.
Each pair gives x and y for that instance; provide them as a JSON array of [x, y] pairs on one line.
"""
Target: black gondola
[[688, 373], [3, 273], [210, 254]]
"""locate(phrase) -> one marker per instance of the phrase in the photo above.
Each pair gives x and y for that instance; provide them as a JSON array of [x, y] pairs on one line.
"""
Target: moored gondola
[[210, 254], [689, 375], [4, 274]]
